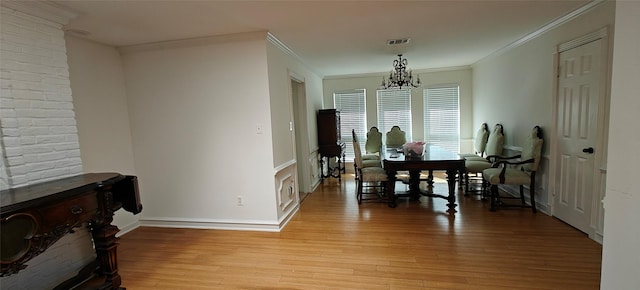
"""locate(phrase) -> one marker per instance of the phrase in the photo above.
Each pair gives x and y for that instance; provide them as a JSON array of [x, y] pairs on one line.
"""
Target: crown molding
[[42, 9], [288, 51], [546, 28], [280, 45], [383, 74], [215, 39]]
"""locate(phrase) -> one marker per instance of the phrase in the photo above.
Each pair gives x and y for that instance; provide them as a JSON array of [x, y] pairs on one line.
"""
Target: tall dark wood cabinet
[[329, 143]]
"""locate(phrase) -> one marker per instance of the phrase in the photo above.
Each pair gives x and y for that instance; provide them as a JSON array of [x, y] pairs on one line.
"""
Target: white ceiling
[[332, 37]]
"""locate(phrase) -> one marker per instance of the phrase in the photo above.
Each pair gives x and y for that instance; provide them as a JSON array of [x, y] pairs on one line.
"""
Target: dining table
[[433, 158]]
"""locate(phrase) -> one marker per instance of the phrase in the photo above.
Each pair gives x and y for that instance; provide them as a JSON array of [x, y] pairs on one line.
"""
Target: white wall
[[460, 76], [100, 101], [516, 87], [620, 257], [282, 67], [193, 107], [522, 78], [281, 106]]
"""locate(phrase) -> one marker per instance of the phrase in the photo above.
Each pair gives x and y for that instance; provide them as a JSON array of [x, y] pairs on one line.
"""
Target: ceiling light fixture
[[399, 77]]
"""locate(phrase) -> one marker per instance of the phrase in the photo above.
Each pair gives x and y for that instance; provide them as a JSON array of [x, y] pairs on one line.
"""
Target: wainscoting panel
[[287, 191]]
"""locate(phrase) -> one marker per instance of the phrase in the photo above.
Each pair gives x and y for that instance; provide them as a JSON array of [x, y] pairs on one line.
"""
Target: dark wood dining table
[[435, 158]]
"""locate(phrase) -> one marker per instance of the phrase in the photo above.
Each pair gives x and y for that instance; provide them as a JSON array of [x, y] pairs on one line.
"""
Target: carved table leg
[[414, 184], [322, 176], [451, 181], [340, 169], [106, 245], [430, 178], [391, 188]]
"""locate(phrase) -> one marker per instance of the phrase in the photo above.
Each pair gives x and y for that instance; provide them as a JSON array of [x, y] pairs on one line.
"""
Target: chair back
[[495, 142], [354, 136], [532, 149], [482, 137], [395, 137], [374, 141], [356, 150]]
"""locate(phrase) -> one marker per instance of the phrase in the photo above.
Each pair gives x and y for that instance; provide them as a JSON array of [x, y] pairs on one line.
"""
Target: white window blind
[[351, 105], [442, 116], [394, 109]]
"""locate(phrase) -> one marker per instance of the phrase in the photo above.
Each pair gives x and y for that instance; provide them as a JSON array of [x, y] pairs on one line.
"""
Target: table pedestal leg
[[414, 184], [430, 178], [451, 181], [390, 191]]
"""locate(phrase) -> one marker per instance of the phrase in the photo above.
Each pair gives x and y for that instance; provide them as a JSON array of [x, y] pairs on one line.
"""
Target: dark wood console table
[[34, 217]]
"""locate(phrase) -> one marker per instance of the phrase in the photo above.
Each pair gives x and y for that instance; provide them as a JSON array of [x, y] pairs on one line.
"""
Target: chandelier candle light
[[399, 77]]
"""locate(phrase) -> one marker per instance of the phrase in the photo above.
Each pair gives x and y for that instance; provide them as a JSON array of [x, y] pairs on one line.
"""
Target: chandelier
[[399, 77]]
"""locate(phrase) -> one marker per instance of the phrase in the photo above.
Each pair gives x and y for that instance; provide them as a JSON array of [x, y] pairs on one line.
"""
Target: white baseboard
[[598, 238], [213, 225], [284, 220], [194, 223], [127, 228], [315, 186]]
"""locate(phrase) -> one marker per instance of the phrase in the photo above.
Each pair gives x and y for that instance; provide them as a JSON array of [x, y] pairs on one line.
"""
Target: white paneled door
[[579, 97]]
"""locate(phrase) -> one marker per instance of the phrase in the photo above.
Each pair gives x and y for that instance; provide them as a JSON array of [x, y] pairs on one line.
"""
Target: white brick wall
[[38, 126], [38, 133]]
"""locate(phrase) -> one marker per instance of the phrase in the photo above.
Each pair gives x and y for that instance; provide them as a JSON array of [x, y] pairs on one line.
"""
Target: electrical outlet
[[240, 200]]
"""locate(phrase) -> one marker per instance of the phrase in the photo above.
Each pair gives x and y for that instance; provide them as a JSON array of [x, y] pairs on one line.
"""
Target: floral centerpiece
[[413, 149]]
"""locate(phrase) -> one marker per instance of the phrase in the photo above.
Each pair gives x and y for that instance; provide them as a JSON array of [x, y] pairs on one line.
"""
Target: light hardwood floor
[[334, 243]]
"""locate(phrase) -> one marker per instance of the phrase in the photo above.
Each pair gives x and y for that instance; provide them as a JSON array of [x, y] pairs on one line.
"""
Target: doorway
[[581, 106], [301, 134]]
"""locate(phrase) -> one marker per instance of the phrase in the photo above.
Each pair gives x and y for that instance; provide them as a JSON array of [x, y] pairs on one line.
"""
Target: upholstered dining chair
[[373, 145], [395, 138], [494, 145], [480, 142], [370, 162], [474, 165], [503, 172], [369, 180]]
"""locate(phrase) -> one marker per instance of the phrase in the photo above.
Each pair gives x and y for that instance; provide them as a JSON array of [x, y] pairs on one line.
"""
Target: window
[[351, 105], [394, 109], [442, 116]]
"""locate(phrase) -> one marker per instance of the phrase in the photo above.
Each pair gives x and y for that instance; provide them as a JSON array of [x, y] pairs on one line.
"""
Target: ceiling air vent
[[398, 41]]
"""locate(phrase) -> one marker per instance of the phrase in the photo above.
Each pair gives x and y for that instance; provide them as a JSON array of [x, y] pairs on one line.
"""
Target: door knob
[[588, 150]]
